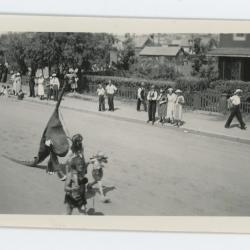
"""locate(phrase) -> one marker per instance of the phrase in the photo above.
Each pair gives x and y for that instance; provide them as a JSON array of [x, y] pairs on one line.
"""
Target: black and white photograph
[[124, 124]]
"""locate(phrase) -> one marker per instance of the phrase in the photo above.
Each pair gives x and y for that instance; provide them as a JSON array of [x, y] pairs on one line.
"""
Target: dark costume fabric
[[76, 198]]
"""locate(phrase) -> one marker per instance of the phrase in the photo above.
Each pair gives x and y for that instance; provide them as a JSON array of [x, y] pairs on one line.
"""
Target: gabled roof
[[160, 51], [140, 41], [230, 52]]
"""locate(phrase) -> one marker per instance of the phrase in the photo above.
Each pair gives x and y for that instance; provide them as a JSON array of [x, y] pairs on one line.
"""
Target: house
[[185, 43], [233, 56], [165, 54], [141, 42]]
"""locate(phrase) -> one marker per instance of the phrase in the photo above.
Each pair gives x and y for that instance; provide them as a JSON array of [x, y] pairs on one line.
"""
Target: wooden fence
[[210, 101]]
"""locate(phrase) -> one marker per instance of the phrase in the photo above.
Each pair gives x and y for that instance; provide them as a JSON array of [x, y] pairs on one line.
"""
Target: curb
[[127, 119]]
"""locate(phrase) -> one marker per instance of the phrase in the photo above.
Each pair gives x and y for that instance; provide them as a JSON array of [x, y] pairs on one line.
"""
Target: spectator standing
[[12, 82], [162, 106], [56, 85], [101, 95], [18, 83], [152, 98], [111, 90], [5, 72], [234, 102], [141, 97], [31, 79], [178, 108], [49, 88], [171, 97], [40, 89]]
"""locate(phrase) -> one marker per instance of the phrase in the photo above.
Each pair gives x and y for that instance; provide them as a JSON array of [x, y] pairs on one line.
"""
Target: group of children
[[6, 91], [76, 182]]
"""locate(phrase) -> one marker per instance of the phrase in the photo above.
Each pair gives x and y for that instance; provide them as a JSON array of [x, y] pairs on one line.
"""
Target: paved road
[[152, 171]]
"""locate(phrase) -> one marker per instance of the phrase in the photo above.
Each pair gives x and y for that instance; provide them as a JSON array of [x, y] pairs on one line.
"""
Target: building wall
[[232, 68], [229, 40]]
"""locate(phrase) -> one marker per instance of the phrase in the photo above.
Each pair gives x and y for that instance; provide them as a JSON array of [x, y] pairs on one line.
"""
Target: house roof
[[230, 52], [181, 42], [140, 41], [160, 51]]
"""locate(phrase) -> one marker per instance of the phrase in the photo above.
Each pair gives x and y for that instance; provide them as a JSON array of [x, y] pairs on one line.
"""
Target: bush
[[122, 82], [192, 83], [229, 86]]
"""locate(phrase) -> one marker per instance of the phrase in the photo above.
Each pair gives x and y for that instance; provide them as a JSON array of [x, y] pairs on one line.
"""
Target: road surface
[[151, 170]]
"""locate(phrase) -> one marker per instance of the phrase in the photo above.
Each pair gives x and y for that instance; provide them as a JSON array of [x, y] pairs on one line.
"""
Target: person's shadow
[[92, 211]]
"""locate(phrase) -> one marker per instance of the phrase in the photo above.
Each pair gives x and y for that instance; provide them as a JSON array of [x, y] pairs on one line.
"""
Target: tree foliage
[[24, 50]]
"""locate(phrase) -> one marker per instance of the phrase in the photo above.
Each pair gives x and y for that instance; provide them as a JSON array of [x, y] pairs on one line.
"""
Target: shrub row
[[124, 82], [229, 86]]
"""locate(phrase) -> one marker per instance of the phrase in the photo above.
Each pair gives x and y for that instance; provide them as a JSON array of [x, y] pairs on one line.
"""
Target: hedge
[[123, 81], [192, 83], [229, 86]]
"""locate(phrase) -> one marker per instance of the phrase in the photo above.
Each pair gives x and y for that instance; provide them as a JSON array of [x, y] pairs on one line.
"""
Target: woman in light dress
[[17, 85], [40, 89], [178, 108], [171, 97]]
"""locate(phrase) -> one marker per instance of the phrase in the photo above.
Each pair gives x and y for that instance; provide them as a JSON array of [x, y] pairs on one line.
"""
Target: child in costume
[[75, 186], [98, 162]]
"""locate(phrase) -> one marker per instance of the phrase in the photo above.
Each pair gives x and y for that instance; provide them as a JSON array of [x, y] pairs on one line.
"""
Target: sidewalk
[[195, 122]]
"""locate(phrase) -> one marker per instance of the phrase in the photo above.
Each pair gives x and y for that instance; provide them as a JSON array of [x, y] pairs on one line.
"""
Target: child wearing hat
[[98, 162], [178, 108]]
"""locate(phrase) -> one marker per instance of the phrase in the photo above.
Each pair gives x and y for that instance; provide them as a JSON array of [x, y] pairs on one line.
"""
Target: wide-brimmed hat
[[237, 91], [178, 91]]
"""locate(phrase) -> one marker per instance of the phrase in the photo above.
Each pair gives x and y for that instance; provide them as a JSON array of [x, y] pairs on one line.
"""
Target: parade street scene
[[125, 124]]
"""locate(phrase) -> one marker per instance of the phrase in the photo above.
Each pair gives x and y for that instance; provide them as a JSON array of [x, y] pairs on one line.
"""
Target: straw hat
[[237, 91], [178, 91]]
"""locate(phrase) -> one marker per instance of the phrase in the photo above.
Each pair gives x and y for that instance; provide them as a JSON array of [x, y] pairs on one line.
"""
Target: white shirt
[[152, 95], [100, 91], [55, 81], [235, 99], [111, 89], [139, 93]]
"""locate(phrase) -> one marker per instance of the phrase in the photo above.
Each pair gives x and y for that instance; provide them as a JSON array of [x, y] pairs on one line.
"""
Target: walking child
[[98, 161], [75, 186]]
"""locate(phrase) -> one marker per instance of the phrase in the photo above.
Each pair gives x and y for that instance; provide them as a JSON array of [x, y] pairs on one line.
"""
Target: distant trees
[[24, 50]]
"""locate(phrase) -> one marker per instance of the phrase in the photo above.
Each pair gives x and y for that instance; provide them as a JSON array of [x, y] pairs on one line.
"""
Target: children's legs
[[82, 210], [100, 188]]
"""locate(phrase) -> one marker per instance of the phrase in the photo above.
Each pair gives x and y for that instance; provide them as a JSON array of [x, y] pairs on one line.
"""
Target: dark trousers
[[101, 103], [55, 92], [32, 88], [235, 111], [111, 102], [151, 110], [143, 102], [49, 92]]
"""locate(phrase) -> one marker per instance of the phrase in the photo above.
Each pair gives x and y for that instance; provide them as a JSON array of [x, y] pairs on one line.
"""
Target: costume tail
[[26, 163]]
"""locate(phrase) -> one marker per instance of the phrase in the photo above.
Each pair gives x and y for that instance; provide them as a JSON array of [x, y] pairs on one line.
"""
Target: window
[[239, 37]]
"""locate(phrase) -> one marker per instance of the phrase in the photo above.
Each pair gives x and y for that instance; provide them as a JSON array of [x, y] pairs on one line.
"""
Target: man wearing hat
[[235, 109], [152, 98], [56, 85], [141, 99]]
